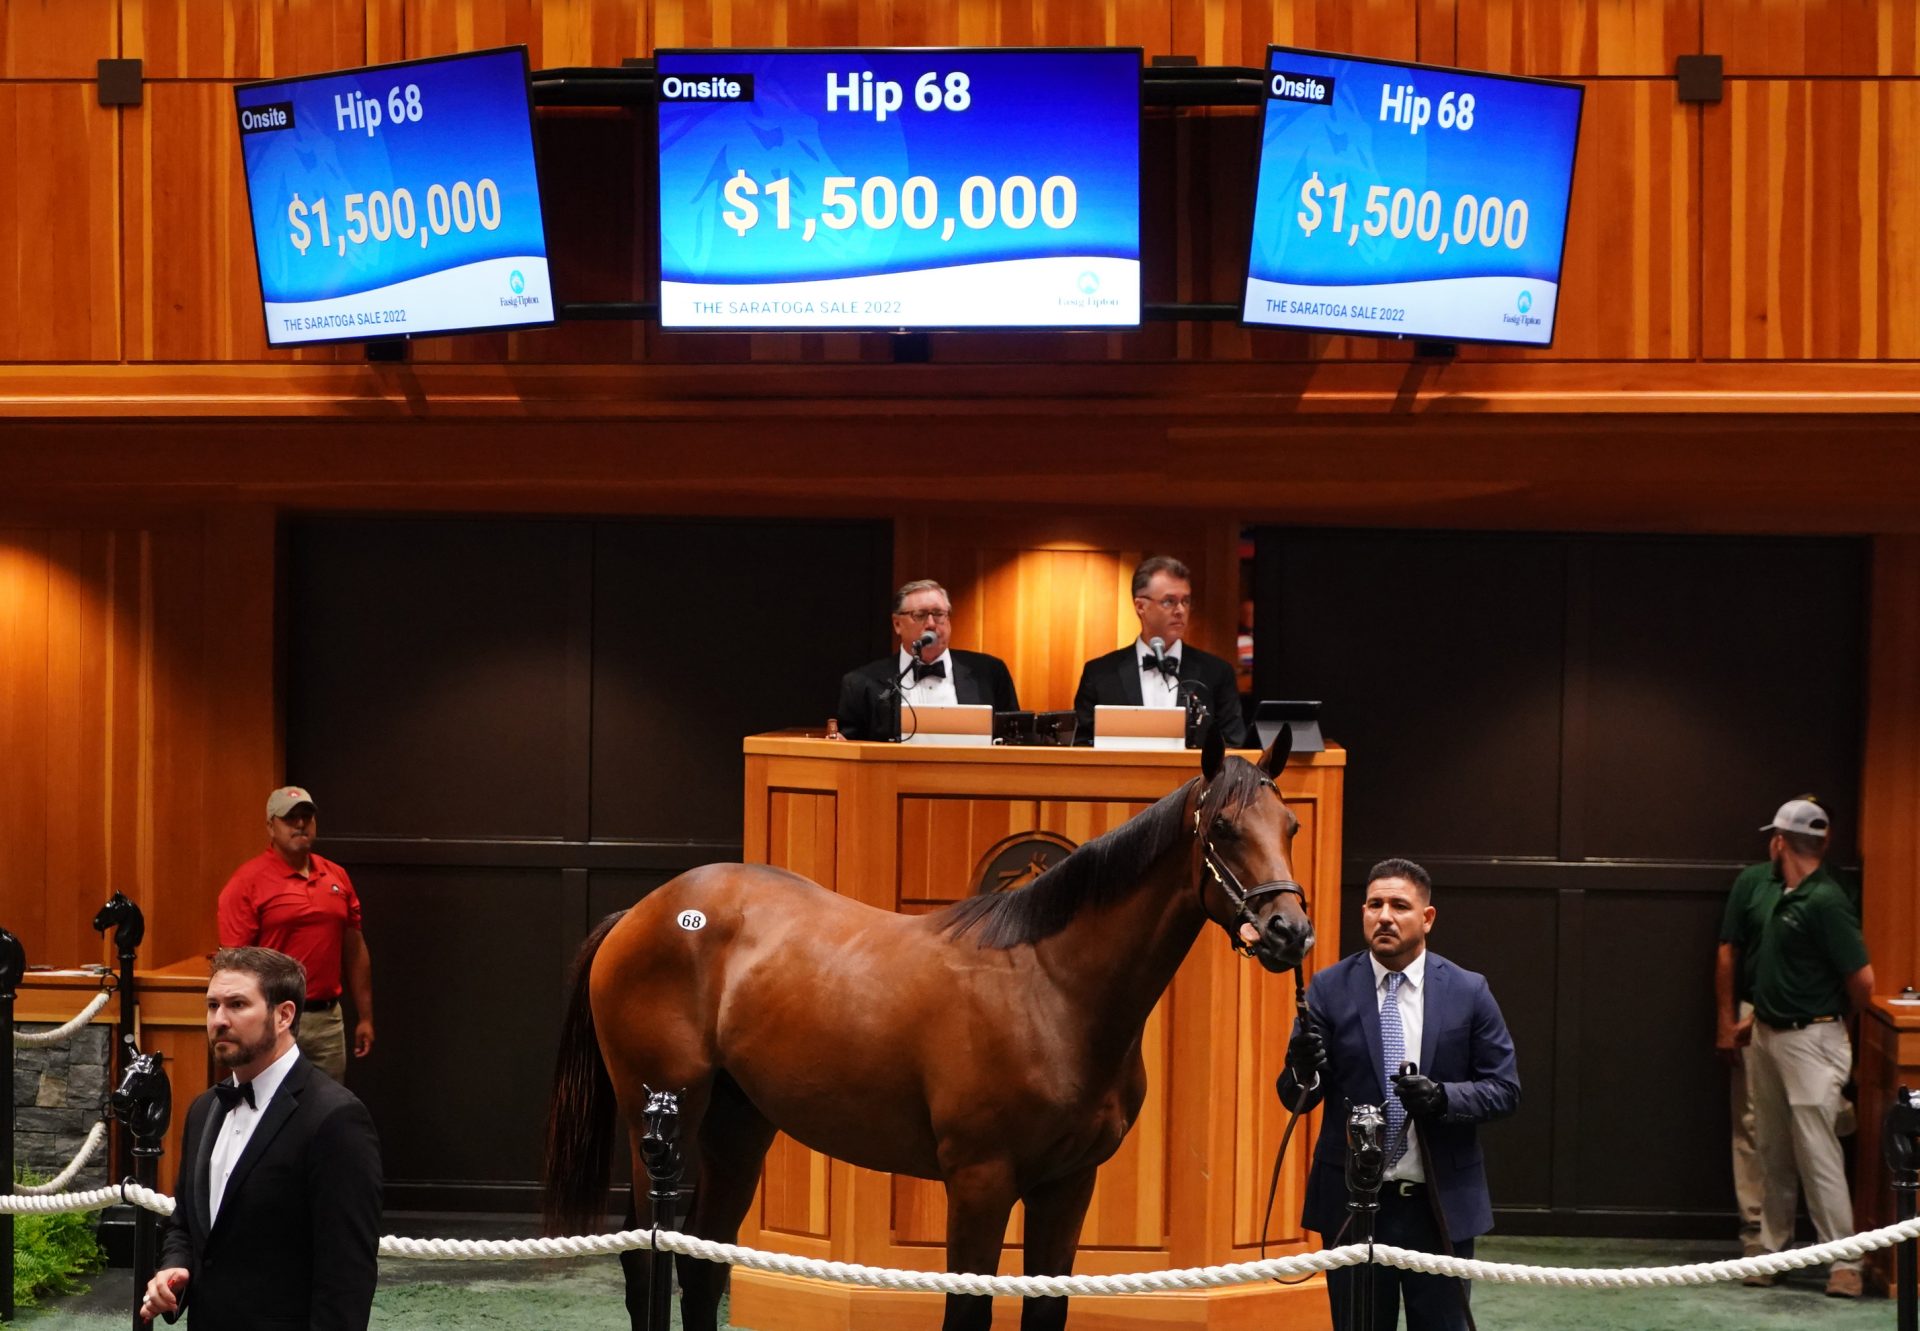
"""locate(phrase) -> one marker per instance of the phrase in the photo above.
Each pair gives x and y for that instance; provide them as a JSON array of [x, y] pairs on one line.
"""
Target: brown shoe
[[1758, 1282], [1844, 1283]]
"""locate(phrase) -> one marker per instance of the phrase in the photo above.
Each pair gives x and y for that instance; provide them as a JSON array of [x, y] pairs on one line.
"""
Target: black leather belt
[[320, 1005], [1798, 1024], [1403, 1187]]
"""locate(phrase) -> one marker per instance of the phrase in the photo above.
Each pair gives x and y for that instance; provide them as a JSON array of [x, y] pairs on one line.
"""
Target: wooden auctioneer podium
[[902, 827]]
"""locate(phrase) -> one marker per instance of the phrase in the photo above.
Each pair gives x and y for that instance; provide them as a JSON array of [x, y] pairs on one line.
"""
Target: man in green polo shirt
[[1797, 937]]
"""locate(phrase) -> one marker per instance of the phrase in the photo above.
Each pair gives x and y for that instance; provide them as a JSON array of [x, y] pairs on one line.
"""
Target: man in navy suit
[[923, 670], [276, 1222], [1371, 1013], [1139, 676]]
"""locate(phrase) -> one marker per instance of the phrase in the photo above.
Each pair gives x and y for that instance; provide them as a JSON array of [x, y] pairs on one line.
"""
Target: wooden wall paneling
[[57, 39], [1858, 38], [1237, 32], [246, 39], [192, 290], [951, 23], [1575, 38], [1806, 251], [1628, 288], [23, 734], [1438, 25], [59, 229], [444, 27], [1890, 779]]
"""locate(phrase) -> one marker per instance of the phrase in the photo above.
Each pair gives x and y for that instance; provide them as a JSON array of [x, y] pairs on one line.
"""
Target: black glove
[[1306, 1054], [1423, 1096]]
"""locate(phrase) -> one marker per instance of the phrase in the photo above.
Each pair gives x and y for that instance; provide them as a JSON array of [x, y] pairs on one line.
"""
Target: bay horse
[[993, 1045]]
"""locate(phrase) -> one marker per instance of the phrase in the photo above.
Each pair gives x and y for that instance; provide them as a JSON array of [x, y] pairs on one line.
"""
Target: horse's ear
[[1213, 752], [1275, 757]]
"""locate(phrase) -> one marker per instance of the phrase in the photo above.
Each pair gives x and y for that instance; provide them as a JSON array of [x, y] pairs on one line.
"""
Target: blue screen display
[[1410, 201], [397, 200], [899, 189]]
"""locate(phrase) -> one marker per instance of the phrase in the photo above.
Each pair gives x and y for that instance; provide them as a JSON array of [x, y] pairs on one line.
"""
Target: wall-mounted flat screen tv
[[396, 201], [1410, 201], [899, 189]]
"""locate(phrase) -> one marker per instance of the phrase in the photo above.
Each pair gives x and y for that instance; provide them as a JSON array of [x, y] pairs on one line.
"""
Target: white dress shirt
[[929, 692], [1412, 1000], [236, 1129], [1156, 690]]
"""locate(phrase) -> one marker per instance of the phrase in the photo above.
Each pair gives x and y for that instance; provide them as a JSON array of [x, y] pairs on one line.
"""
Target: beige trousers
[[1795, 1080], [1749, 1186], [322, 1038]]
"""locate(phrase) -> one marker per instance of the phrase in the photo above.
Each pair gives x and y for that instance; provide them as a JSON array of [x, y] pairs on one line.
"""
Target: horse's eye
[[1226, 831]]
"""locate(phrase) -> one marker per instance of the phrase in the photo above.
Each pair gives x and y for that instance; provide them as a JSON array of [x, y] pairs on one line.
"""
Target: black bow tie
[[928, 670], [231, 1095], [1167, 665]]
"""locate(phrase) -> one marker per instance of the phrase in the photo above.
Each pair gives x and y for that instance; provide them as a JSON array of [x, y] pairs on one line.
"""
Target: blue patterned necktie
[[1393, 1052]]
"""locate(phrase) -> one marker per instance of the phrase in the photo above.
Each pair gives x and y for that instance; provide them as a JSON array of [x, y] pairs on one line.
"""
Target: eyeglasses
[[924, 616], [1172, 603]]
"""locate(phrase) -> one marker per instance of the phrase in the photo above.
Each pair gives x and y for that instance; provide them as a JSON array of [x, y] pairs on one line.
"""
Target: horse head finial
[[143, 1100], [123, 915]]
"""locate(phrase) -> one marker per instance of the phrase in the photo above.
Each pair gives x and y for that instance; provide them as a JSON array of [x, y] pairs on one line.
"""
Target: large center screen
[[397, 200], [1410, 201], [899, 189]]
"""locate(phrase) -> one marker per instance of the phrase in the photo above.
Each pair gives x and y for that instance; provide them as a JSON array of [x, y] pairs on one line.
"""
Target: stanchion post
[[1900, 1141], [660, 1149], [1366, 1167], [143, 1103], [13, 968], [122, 915]]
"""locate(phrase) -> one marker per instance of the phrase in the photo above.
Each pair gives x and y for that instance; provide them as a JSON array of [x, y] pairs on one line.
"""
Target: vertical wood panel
[[56, 39], [1807, 246], [1890, 783], [23, 734], [193, 292], [1627, 286], [59, 229], [1571, 38], [246, 39], [1237, 32], [1832, 37]]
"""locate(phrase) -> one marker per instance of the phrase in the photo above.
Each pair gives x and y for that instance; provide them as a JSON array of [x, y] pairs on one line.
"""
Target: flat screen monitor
[[899, 189], [1122, 726], [396, 201], [956, 723], [1410, 201]]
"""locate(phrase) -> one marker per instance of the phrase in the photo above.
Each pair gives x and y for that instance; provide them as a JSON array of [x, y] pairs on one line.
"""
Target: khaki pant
[[322, 1038], [1795, 1079], [1748, 1184]]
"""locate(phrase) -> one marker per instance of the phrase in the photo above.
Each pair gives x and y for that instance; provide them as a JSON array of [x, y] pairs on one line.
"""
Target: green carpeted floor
[[576, 1295]]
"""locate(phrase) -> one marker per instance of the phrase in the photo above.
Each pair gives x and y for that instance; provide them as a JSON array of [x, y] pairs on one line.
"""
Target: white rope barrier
[[1143, 1282], [95, 1136], [60, 1034]]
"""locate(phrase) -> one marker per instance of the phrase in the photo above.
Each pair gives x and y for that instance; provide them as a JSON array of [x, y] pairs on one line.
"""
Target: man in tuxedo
[[1138, 676], [1371, 1013], [923, 671], [277, 1212]]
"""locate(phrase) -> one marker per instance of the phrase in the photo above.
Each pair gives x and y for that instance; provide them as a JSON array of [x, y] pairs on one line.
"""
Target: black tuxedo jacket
[[864, 714], [1114, 680], [296, 1243]]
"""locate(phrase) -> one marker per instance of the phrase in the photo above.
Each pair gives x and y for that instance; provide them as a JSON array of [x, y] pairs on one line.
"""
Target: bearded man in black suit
[[1138, 677], [277, 1214], [923, 669]]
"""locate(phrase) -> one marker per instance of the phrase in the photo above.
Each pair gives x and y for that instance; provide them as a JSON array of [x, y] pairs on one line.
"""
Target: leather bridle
[[1240, 897]]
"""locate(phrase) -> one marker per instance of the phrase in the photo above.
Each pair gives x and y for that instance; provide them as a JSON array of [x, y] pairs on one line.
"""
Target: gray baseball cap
[[1803, 816], [286, 799]]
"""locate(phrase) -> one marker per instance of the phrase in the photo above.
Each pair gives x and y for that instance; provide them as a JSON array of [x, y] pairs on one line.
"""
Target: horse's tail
[[581, 1112]]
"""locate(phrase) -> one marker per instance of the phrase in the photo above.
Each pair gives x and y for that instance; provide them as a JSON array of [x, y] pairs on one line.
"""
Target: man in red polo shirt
[[296, 902]]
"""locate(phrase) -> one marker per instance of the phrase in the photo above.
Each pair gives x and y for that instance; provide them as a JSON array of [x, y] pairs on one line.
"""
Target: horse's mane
[[1103, 870]]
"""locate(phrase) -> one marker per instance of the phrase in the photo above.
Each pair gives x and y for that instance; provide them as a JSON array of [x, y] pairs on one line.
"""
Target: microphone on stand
[[1158, 646], [891, 697]]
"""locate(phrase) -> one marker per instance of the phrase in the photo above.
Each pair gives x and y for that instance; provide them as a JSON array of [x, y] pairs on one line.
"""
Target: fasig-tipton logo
[[707, 88], [1316, 89], [263, 119]]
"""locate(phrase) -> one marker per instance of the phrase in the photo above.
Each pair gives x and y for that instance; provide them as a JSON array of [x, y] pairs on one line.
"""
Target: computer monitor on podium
[[1118, 726], [962, 723], [1304, 717]]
